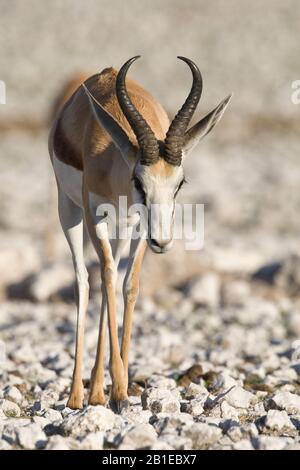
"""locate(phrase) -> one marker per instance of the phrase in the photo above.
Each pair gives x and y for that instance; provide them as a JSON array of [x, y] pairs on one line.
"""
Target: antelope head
[[157, 173]]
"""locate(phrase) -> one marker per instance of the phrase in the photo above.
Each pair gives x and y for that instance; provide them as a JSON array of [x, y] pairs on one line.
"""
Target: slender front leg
[[97, 396], [71, 221], [109, 274], [130, 293], [98, 232]]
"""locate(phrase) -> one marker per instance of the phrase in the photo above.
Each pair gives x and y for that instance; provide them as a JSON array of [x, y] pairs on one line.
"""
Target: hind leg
[[71, 219]]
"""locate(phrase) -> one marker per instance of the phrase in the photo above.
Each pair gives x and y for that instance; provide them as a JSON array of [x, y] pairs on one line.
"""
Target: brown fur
[[76, 123], [65, 149], [163, 168]]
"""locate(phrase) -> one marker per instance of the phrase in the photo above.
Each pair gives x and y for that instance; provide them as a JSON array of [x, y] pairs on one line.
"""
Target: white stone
[[59, 384], [57, 443], [91, 419], [137, 415], [162, 382], [196, 408], [239, 398], [196, 391], [293, 446], [278, 421], [175, 442], [31, 437], [13, 394], [202, 435], [66, 411], [4, 445], [287, 401], [205, 290], [285, 375], [140, 436], [34, 372], [243, 444], [23, 353], [228, 411], [48, 398], [236, 292], [168, 423], [272, 443], [161, 400], [235, 433], [161, 445], [49, 280], [165, 405], [10, 427], [93, 441], [293, 321], [52, 415], [251, 429], [259, 409], [10, 408], [226, 380]]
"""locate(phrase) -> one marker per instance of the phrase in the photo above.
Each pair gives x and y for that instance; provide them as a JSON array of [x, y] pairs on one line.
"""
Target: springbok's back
[[75, 121]]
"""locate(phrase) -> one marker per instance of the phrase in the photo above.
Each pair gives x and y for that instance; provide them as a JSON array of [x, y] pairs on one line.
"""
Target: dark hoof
[[118, 406]]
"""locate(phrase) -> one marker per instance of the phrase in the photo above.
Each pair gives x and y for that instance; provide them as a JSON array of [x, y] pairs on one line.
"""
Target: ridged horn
[[146, 139], [174, 141]]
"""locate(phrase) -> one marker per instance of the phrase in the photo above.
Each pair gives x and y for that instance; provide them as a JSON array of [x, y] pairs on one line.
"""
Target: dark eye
[[180, 185], [139, 187]]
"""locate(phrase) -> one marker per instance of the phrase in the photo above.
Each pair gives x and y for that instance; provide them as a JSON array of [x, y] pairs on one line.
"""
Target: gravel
[[236, 386]]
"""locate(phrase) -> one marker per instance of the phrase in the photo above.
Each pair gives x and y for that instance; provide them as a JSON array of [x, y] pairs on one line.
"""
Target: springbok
[[113, 139]]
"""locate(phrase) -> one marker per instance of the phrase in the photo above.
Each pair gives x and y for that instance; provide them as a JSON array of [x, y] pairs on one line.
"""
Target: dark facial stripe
[[139, 187], [180, 185]]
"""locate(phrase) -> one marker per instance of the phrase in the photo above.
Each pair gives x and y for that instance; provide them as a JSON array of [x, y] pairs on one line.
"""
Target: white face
[[157, 186]]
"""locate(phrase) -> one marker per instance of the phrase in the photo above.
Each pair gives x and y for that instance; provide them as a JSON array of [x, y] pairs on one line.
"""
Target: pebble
[[271, 443], [90, 419], [228, 411], [31, 437], [141, 436], [161, 400], [9, 408], [278, 421], [93, 441], [239, 398], [290, 402], [205, 290], [57, 443], [202, 435], [13, 394]]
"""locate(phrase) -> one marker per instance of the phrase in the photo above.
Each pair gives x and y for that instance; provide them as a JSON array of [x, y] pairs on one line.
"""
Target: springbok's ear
[[204, 126], [108, 123]]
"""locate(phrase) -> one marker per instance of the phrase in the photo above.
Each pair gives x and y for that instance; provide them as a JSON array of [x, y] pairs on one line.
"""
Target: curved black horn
[[146, 139], [175, 136]]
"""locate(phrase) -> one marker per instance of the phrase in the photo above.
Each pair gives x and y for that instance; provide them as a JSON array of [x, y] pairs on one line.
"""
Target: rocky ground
[[214, 365]]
